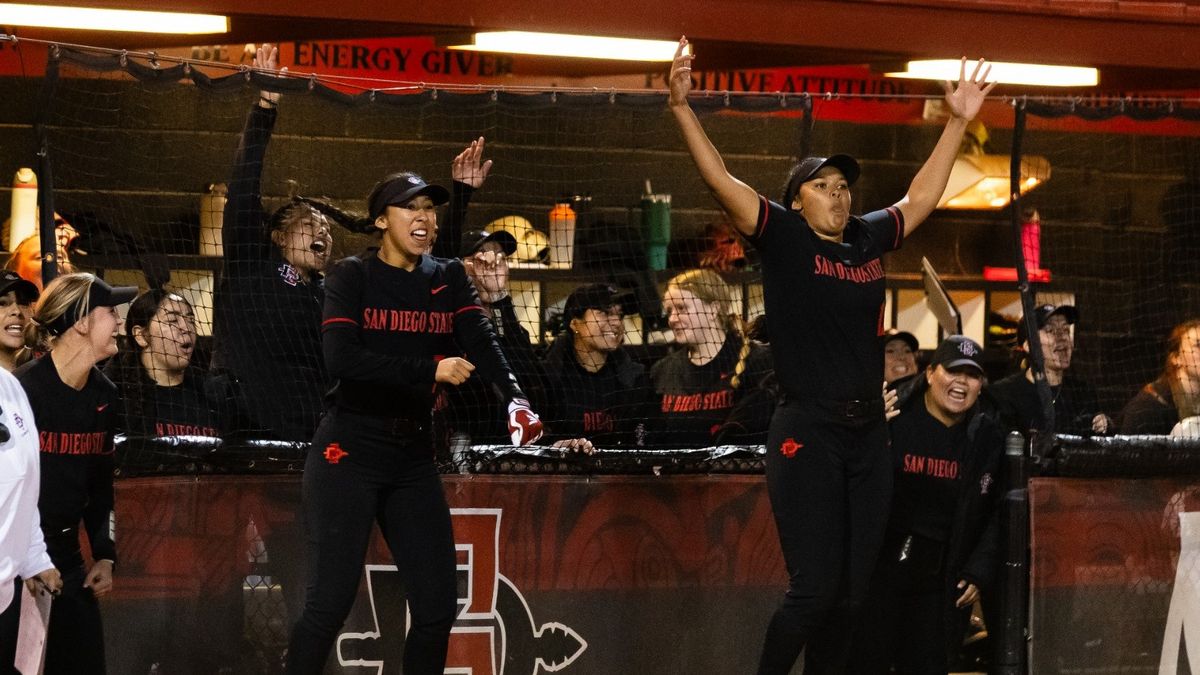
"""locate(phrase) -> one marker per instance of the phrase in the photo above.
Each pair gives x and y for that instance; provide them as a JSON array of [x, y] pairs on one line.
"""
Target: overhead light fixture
[[124, 20], [1032, 74], [574, 46], [981, 181]]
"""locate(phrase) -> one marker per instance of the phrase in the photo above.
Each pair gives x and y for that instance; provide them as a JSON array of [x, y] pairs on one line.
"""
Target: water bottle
[[562, 234], [656, 227]]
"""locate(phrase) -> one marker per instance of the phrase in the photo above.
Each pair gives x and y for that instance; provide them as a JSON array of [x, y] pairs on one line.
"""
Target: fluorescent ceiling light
[[1005, 73], [980, 181], [86, 18], [578, 46]]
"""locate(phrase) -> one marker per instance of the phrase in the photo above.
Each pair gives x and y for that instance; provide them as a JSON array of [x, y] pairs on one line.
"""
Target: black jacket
[[267, 319], [972, 552], [608, 407]]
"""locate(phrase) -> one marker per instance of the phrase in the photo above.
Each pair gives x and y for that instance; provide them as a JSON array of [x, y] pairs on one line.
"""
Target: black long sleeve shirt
[[266, 327], [75, 432], [385, 328]]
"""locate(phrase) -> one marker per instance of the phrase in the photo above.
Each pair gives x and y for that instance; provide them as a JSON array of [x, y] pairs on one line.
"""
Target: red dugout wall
[[557, 574]]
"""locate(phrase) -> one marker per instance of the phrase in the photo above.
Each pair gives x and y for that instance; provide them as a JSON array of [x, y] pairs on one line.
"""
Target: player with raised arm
[[828, 470]]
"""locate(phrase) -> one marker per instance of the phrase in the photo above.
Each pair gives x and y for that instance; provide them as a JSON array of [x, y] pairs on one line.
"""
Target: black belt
[[399, 426], [854, 409]]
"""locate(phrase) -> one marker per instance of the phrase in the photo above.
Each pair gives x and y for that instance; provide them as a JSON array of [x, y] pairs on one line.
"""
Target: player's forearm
[[739, 201], [930, 182]]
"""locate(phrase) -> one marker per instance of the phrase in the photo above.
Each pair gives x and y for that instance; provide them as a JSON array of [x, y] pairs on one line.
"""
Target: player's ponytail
[[739, 327], [66, 293]]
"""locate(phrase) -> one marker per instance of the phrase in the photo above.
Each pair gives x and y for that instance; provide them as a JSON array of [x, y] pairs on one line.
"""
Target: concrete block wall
[[1104, 234]]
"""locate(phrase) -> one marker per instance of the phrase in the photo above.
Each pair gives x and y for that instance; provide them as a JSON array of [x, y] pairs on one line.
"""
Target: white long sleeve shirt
[[22, 549]]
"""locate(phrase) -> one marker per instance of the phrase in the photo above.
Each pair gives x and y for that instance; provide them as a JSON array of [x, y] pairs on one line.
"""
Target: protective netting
[[1120, 232], [160, 170], [158, 167]]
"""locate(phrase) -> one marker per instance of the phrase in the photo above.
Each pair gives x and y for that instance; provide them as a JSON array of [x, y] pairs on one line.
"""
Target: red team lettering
[[713, 400], [597, 420], [62, 443], [407, 321], [869, 271], [930, 466]]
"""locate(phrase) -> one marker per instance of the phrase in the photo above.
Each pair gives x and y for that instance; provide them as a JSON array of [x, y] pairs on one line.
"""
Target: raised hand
[[680, 79], [890, 398], [967, 98], [468, 168], [266, 58]]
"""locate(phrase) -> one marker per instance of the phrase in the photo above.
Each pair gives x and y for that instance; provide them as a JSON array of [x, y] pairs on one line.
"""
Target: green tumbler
[[656, 228]]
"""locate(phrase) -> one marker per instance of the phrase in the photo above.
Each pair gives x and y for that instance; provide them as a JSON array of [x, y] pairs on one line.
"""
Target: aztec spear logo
[[495, 632]]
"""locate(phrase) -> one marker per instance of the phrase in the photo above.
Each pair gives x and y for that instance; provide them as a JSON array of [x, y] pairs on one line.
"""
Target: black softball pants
[[909, 623], [829, 478], [386, 476]]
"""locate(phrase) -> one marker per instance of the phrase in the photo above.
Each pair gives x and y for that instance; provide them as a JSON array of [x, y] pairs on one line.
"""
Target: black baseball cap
[[1043, 313], [100, 294], [895, 334], [400, 189], [808, 167], [25, 290], [956, 351], [591, 296], [473, 240]]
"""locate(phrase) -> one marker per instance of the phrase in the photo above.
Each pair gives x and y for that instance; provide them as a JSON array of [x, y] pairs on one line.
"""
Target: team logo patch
[[967, 348], [289, 274], [789, 447], [985, 484], [334, 453]]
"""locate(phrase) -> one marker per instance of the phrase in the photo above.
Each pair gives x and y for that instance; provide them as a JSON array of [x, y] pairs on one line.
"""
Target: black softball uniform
[[828, 474], [75, 432], [371, 459], [698, 405]]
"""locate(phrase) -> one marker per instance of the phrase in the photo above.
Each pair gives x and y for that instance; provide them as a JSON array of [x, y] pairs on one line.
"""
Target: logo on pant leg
[[334, 453], [789, 447]]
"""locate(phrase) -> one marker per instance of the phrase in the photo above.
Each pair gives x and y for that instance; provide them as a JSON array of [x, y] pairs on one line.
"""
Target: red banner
[[850, 93]]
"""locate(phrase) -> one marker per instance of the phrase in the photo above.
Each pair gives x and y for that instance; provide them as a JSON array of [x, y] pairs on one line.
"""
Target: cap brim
[[121, 295], [962, 362], [438, 194], [846, 164], [905, 337], [508, 243], [1069, 312], [25, 290]]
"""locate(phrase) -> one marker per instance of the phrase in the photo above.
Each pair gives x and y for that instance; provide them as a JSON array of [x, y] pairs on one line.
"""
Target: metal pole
[[1011, 634]]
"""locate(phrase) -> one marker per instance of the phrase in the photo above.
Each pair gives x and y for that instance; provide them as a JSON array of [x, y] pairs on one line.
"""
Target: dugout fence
[[131, 146]]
